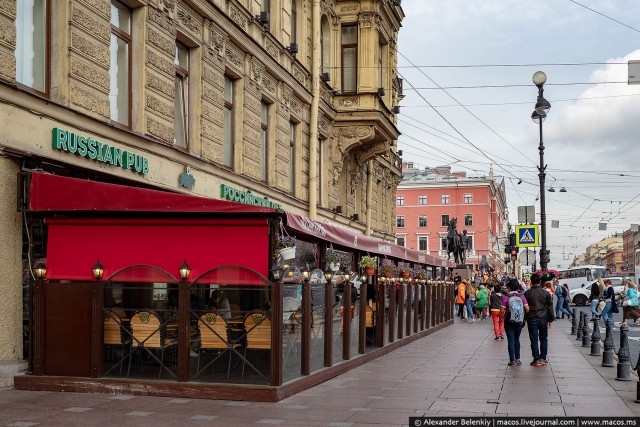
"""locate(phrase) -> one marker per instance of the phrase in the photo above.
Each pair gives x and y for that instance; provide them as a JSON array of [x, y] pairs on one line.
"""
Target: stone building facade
[[224, 91]]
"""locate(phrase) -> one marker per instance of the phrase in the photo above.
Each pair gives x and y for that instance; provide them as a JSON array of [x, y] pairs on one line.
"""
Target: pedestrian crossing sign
[[527, 236]]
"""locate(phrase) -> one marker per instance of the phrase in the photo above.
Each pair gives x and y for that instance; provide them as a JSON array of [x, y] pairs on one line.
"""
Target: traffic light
[[545, 256], [507, 250], [512, 239], [514, 253]]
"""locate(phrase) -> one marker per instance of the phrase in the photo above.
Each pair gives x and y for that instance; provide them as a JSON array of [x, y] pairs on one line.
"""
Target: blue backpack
[[516, 309]]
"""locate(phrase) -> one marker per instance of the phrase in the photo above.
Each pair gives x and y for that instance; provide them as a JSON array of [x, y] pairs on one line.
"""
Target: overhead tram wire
[[500, 104], [605, 16], [511, 85], [548, 64]]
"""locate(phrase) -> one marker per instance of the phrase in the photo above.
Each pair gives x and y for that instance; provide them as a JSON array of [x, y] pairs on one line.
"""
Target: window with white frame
[[445, 199], [470, 242], [468, 219], [443, 243], [32, 44], [423, 243], [445, 220], [468, 199], [400, 241], [422, 199], [349, 44], [400, 221], [399, 200], [422, 221], [120, 59], [181, 100]]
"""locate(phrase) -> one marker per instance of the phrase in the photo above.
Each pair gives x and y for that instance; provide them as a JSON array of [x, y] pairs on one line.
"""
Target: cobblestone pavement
[[460, 370]]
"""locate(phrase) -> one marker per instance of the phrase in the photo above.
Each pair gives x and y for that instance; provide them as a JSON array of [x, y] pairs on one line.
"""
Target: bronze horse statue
[[455, 243]]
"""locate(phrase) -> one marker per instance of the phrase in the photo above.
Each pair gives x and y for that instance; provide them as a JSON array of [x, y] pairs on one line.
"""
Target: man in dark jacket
[[539, 319]]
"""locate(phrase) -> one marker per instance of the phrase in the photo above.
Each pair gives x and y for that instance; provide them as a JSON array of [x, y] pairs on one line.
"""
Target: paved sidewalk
[[460, 370]]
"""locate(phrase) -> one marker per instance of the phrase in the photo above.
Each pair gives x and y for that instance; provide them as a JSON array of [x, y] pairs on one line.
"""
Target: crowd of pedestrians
[[510, 306]]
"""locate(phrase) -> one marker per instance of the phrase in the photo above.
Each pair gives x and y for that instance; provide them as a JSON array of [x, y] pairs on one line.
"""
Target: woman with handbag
[[630, 309], [610, 306]]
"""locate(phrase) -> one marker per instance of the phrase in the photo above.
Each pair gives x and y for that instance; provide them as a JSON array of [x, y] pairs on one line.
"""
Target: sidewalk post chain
[[607, 356], [624, 366], [574, 322], [579, 334], [585, 331], [595, 338]]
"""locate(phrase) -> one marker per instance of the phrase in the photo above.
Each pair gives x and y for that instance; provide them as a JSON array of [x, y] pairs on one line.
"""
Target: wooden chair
[[370, 315], [148, 332], [235, 310], [114, 335], [257, 325], [214, 335]]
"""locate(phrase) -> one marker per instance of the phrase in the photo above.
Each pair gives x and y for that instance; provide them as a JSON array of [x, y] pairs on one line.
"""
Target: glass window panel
[[120, 16], [228, 90], [31, 43], [264, 117], [294, 22], [400, 241], [349, 69], [349, 34], [228, 136], [422, 243], [292, 143], [264, 113], [182, 56], [119, 80], [180, 128]]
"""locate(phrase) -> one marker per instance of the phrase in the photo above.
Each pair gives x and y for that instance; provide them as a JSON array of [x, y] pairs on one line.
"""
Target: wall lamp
[[355, 217], [305, 273], [276, 272], [98, 270], [40, 270], [338, 209], [184, 270]]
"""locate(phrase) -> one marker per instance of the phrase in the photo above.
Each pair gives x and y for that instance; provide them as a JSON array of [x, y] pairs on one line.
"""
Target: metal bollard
[[624, 367], [607, 356], [574, 322], [585, 331], [638, 383], [595, 338], [579, 334]]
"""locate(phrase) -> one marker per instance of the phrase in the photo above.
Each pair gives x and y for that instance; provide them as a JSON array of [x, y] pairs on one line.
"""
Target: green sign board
[[242, 196], [95, 150]]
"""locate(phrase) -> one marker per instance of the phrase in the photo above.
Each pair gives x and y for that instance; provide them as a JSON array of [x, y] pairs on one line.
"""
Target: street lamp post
[[538, 116]]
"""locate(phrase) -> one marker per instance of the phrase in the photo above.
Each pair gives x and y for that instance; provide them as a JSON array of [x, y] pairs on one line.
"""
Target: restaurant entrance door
[[67, 339]]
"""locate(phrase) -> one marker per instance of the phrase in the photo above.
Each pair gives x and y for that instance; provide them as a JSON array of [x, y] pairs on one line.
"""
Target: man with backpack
[[539, 318], [512, 313]]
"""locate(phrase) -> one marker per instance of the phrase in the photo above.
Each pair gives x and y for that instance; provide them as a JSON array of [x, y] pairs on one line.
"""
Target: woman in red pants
[[495, 303]]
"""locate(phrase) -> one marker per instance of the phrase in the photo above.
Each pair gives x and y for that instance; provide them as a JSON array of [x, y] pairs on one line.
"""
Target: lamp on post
[[184, 270], [539, 114], [41, 270], [276, 272], [98, 270]]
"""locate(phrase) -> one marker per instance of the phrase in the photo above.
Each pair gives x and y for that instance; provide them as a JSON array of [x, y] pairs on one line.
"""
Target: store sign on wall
[[242, 196], [95, 150]]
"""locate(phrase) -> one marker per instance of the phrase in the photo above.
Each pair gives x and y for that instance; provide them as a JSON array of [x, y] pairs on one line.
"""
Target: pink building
[[428, 198]]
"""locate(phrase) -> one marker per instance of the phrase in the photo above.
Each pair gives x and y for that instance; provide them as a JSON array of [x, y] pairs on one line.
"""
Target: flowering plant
[[345, 261], [420, 274], [331, 256], [388, 267], [368, 261], [405, 269], [283, 242], [308, 258]]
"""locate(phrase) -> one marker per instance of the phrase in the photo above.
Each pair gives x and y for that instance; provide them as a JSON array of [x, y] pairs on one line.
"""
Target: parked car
[[580, 296]]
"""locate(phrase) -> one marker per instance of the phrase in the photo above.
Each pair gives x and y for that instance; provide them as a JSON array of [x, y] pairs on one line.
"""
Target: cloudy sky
[[592, 132]]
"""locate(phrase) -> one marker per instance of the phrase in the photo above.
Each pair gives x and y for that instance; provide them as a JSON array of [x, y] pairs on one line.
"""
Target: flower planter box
[[288, 253]]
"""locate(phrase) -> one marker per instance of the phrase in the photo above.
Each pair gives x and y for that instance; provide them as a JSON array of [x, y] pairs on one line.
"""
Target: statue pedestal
[[464, 272]]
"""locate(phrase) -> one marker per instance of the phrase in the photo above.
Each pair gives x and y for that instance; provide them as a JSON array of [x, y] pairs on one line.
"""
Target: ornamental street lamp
[[539, 114]]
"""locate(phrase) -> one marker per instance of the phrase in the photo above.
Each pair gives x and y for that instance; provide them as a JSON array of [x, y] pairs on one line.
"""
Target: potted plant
[[369, 263], [388, 268], [420, 274], [308, 259], [345, 261], [332, 258], [285, 247], [405, 271]]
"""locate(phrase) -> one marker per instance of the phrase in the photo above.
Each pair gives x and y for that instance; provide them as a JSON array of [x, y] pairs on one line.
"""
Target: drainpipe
[[369, 196], [315, 106]]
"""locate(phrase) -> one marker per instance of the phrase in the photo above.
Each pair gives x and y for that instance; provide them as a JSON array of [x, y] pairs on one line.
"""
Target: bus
[[577, 277]]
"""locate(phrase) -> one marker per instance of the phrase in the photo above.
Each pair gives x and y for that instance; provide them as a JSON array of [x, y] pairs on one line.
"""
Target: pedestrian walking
[[610, 305], [560, 295], [512, 312], [539, 318], [470, 300], [595, 296], [567, 298], [495, 304], [482, 302], [461, 298], [630, 309]]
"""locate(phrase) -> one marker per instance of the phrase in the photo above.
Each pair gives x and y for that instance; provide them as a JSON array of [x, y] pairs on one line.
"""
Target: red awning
[[75, 245], [351, 239], [58, 193]]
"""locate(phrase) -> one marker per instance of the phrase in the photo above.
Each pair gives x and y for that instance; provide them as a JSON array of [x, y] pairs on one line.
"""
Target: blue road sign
[[526, 236]]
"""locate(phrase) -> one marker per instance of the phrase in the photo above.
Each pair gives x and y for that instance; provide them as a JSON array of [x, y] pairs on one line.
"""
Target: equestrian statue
[[456, 243]]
